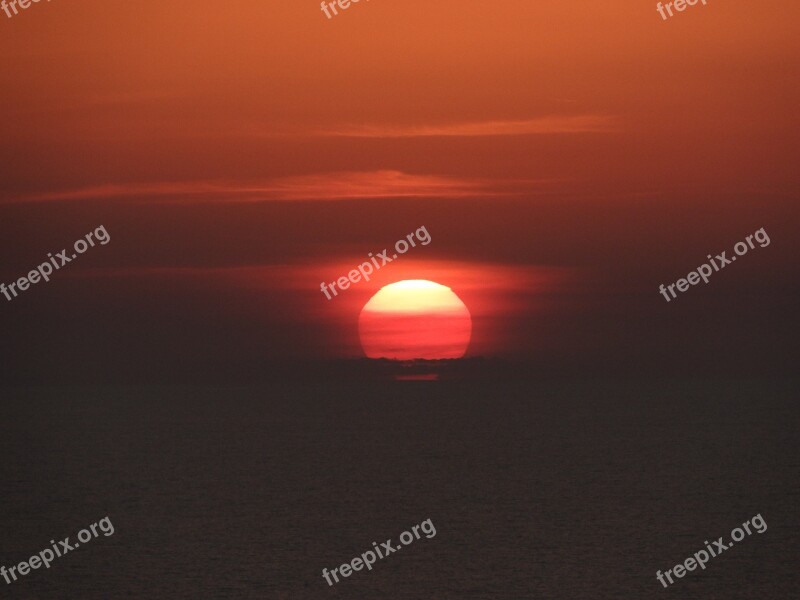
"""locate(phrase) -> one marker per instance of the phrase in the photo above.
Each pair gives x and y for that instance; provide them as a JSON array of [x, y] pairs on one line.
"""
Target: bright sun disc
[[412, 319]]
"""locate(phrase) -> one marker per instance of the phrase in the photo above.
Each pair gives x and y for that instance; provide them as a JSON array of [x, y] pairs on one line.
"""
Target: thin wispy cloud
[[322, 186], [538, 126]]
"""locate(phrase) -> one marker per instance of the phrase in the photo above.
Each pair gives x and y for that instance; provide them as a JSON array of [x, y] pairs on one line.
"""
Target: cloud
[[538, 126], [322, 186]]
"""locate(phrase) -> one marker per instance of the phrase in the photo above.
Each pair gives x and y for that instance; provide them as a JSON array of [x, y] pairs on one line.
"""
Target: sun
[[415, 318]]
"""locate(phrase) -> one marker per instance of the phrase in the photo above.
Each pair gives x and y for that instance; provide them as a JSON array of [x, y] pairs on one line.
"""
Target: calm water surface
[[547, 490]]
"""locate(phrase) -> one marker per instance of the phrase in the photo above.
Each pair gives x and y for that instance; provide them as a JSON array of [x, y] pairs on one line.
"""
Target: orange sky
[[97, 92], [588, 140]]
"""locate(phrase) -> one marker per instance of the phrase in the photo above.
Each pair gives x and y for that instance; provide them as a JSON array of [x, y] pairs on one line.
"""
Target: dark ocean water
[[547, 490]]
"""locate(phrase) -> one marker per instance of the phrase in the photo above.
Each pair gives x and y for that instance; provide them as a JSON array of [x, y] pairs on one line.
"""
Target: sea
[[544, 489]]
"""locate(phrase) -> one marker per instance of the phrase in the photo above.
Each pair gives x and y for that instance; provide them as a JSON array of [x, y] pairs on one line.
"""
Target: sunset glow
[[284, 283]]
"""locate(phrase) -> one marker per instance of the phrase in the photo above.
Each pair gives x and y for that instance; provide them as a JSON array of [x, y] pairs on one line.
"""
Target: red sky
[[567, 158]]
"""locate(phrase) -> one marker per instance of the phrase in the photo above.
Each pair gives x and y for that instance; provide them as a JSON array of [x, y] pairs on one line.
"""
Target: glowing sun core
[[415, 318]]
